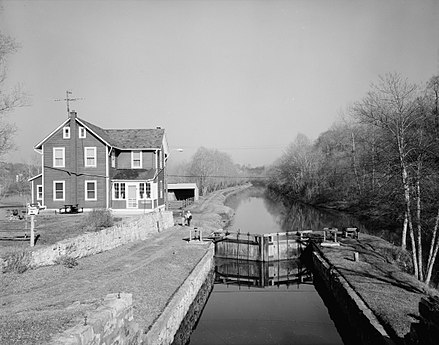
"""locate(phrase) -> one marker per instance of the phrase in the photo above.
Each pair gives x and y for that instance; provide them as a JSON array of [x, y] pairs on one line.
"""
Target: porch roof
[[134, 174]]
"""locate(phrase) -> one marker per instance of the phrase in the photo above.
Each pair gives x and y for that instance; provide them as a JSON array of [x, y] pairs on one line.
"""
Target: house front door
[[132, 196]]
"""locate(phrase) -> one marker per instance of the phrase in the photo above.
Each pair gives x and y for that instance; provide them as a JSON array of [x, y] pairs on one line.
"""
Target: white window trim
[[82, 133], [132, 160], [154, 190], [63, 149], [38, 192], [113, 159], [95, 157], [144, 192], [120, 190], [95, 189], [160, 158], [66, 132], [63, 191]]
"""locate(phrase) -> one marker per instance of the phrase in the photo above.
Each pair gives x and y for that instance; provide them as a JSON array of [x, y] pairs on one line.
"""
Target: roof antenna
[[68, 99]]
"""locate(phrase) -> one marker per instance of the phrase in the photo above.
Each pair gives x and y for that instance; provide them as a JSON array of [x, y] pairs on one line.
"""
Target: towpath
[[39, 303], [46, 301]]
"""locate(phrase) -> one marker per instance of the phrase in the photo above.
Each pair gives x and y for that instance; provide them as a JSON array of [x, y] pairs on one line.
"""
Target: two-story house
[[92, 167]]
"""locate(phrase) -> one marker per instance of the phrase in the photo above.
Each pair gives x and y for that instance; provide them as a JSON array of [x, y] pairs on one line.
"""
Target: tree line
[[381, 160], [212, 170]]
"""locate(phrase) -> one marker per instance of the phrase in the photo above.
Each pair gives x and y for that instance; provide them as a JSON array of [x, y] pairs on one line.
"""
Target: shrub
[[17, 260], [396, 255], [98, 219], [66, 261]]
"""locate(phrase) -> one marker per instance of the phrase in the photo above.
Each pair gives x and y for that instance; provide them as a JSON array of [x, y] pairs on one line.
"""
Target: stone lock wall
[[133, 229], [168, 323], [112, 323], [361, 318]]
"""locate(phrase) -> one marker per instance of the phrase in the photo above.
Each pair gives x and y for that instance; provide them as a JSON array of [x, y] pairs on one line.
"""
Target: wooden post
[[356, 256], [32, 232]]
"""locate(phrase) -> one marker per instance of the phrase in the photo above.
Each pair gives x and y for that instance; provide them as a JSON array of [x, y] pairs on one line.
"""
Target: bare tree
[[392, 106], [9, 99], [213, 170]]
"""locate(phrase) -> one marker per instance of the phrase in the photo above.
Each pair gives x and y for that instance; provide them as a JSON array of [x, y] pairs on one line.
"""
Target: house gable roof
[[40, 144], [123, 139], [136, 138]]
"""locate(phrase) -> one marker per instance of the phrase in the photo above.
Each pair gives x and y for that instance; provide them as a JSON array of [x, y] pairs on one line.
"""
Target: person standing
[[183, 219], [188, 218]]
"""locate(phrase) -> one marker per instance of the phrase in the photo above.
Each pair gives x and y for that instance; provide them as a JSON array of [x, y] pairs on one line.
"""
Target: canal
[[266, 303]]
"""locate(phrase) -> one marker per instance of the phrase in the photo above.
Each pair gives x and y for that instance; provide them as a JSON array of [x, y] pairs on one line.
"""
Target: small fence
[[179, 204], [17, 230]]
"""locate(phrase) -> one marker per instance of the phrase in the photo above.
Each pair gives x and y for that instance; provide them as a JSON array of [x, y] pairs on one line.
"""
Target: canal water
[[278, 304]]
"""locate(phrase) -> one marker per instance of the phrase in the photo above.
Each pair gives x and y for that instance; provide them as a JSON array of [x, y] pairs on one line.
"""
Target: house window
[[161, 189], [145, 190], [136, 159], [113, 159], [66, 133], [82, 132], [39, 192], [58, 190], [90, 190], [90, 156], [119, 190], [59, 157]]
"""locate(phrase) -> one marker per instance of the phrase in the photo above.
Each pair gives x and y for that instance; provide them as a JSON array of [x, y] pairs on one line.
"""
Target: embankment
[[113, 322], [383, 304], [136, 228]]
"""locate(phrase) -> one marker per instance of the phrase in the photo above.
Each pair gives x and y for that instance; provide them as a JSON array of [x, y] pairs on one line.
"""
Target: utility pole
[[68, 100]]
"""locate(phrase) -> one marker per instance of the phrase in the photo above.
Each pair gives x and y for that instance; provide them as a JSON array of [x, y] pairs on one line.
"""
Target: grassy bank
[[379, 278]]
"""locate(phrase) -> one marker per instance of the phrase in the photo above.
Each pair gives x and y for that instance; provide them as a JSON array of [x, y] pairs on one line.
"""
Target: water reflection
[[261, 274], [256, 303], [268, 303], [258, 214]]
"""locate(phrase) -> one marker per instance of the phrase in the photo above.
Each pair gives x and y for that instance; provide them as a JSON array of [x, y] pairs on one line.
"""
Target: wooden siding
[[37, 181], [123, 159], [75, 173], [74, 162]]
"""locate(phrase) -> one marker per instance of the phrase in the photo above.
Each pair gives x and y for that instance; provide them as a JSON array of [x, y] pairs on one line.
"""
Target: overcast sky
[[244, 77]]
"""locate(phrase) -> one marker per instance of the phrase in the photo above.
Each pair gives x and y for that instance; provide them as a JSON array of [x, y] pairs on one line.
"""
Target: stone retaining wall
[[166, 326], [134, 229], [361, 318], [113, 322], [109, 324]]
